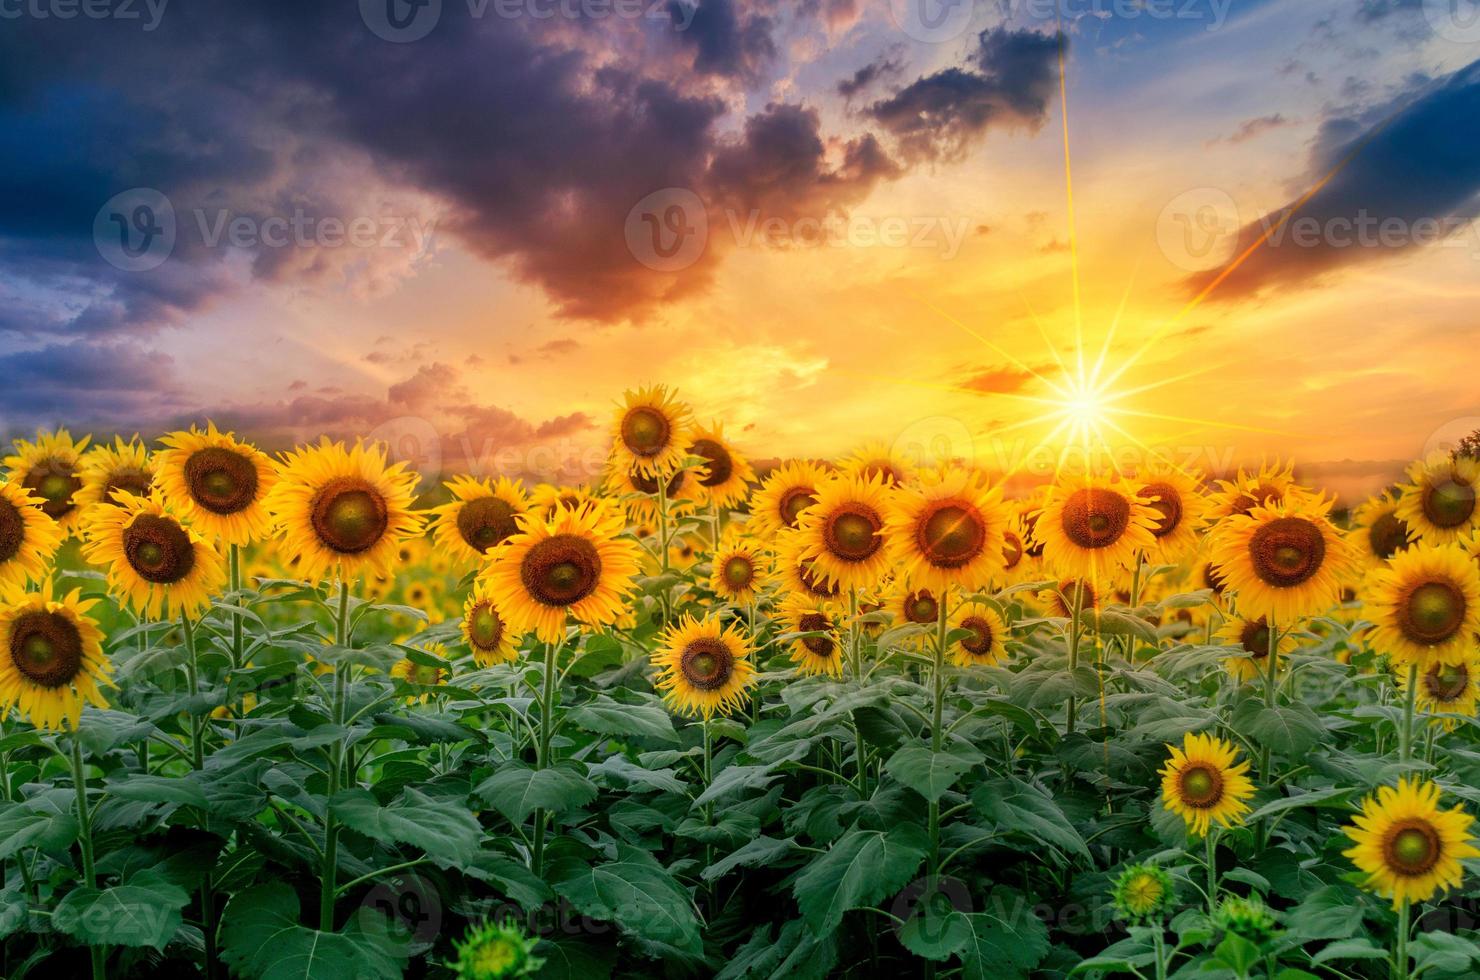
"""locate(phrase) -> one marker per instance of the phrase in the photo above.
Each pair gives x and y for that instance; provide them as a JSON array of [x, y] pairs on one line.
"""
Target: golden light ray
[[1016, 363]]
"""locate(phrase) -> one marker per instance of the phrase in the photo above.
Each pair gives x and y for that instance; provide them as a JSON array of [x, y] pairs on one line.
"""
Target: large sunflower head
[[739, 569], [725, 475], [1272, 484], [1250, 637], [1448, 689], [650, 431], [703, 666], [821, 651], [791, 488], [157, 563], [950, 530], [1377, 531], [343, 508], [1092, 527], [1439, 502], [1285, 561], [799, 574], [843, 534], [484, 630], [481, 516], [987, 643], [51, 658], [576, 566], [1425, 605], [28, 538], [1178, 511], [121, 466], [217, 482], [51, 469], [1202, 782], [1408, 848]]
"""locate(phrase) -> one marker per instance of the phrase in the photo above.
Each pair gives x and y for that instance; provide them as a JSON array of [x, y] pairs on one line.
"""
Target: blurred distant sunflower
[[546, 500], [915, 607], [703, 666], [50, 468], [685, 550], [739, 570], [1425, 604], [876, 460], [640, 491], [1447, 689], [216, 482], [1408, 848], [420, 595], [948, 530], [1091, 527], [821, 654], [783, 495], [343, 508], [1061, 596], [1178, 509], [1251, 636], [650, 430], [480, 516], [1025, 515], [987, 642], [484, 630], [576, 565], [1015, 556], [51, 658], [726, 475], [1438, 502], [158, 564], [122, 466], [843, 534], [1271, 484], [1201, 783], [421, 674], [1284, 561], [28, 538], [799, 575], [1377, 530]]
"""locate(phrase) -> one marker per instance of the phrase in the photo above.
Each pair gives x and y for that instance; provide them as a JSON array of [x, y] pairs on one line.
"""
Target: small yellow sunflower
[[1016, 561], [422, 675], [158, 564], [1438, 504], [639, 492], [1201, 783], [484, 630], [1284, 561], [122, 466], [1407, 847], [481, 516], [916, 607], [1061, 598], [987, 642], [1092, 527], [649, 433], [843, 534], [725, 475], [29, 539], [577, 565], [1271, 484], [1425, 605], [51, 468], [547, 500], [778, 503], [1378, 531], [950, 530], [344, 509], [739, 570], [51, 658], [1447, 689], [1251, 636], [217, 483], [799, 575], [703, 666], [1178, 508], [875, 460], [813, 655]]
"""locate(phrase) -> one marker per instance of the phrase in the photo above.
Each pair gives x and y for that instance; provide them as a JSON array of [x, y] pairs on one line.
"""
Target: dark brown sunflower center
[[46, 648], [646, 431], [54, 481], [1432, 613], [1448, 504], [349, 515], [158, 549], [979, 643], [707, 664], [561, 571], [136, 482], [12, 530], [816, 622], [1255, 638], [738, 571], [485, 521], [1095, 518], [1447, 682], [852, 532], [1412, 847], [793, 502], [814, 583], [1287, 551], [921, 607], [718, 464], [1087, 597], [1030, 524], [221, 481], [649, 484], [951, 534], [1213, 580], [1164, 499], [485, 629], [1202, 786], [1388, 535], [1012, 550]]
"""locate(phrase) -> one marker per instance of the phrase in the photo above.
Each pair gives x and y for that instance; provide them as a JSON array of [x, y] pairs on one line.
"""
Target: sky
[[1003, 231]]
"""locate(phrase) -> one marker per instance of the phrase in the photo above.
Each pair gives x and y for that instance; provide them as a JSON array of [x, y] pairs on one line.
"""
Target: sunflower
[[422, 674], [1448, 689], [1061, 597], [986, 644], [843, 534], [547, 500], [639, 492], [481, 516], [217, 483], [790, 489], [703, 666], [576, 565], [685, 550], [800, 575], [1271, 484], [28, 537], [1251, 636], [1201, 783], [1425, 605], [50, 468], [1025, 514], [949, 530], [1144, 893], [1378, 531], [51, 658], [1016, 561], [122, 466], [649, 432], [158, 564], [820, 654], [1438, 505], [1407, 847], [343, 509], [1178, 509], [495, 951], [725, 475], [1093, 526], [1284, 561], [877, 460], [916, 607], [739, 570], [420, 595], [484, 630]]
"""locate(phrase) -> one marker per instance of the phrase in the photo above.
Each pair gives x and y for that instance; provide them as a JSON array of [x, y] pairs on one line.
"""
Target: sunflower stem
[[542, 750], [98, 954], [1410, 707], [663, 545], [330, 867], [1210, 844], [1074, 615], [936, 734], [237, 635], [1271, 695], [1400, 952], [855, 657], [198, 760]]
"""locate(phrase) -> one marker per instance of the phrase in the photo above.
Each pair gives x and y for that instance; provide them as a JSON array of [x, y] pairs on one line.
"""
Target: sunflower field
[[307, 715]]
